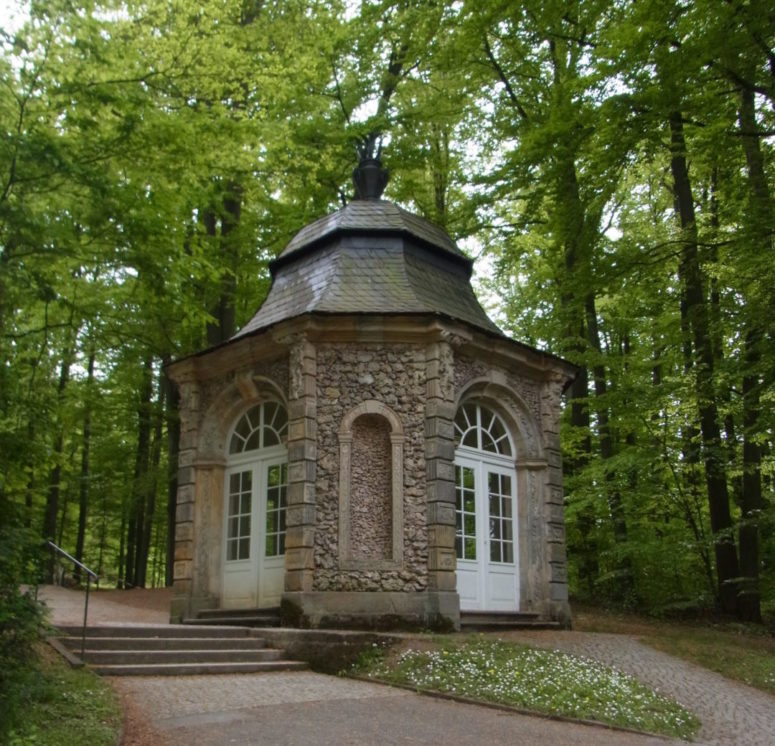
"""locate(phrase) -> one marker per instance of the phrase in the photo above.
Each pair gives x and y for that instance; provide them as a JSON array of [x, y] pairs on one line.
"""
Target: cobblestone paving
[[168, 698], [309, 708], [731, 713]]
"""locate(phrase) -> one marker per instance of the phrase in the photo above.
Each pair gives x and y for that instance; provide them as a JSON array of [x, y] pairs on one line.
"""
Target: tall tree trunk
[[173, 439], [55, 477], [613, 493], [224, 311], [29, 494], [141, 474], [725, 389], [697, 313], [122, 556], [749, 600], [151, 483], [83, 491], [760, 231], [569, 217], [440, 165]]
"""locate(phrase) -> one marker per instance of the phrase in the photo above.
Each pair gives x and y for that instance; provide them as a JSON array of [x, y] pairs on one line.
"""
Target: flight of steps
[[172, 650], [482, 621]]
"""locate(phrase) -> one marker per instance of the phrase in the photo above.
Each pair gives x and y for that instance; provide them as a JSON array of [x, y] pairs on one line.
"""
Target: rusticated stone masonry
[[348, 375]]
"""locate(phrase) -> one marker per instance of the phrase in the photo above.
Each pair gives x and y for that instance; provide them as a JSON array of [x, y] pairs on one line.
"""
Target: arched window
[[263, 426], [481, 429]]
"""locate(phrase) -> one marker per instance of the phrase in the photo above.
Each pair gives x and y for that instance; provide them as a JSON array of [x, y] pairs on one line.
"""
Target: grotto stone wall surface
[[347, 375]]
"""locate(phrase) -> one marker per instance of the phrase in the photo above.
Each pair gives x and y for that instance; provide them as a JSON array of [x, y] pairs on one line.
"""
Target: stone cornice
[[409, 329]]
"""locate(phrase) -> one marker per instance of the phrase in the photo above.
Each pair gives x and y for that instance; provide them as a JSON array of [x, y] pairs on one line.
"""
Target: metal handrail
[[90, 574]]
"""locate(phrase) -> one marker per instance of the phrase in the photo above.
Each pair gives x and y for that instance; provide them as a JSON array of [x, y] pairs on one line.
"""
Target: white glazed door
[[254, 534], [487, 577]]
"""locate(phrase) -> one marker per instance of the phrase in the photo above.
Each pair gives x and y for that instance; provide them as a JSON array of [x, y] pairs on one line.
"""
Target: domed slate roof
[[372, 257]]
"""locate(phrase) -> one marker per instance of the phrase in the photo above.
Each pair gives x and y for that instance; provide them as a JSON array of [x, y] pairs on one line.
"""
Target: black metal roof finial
[[369, 177]]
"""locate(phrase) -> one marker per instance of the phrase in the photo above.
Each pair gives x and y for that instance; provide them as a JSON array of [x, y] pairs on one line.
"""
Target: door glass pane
[[501, 523], [238, 518], [276, 501], [465, 513]]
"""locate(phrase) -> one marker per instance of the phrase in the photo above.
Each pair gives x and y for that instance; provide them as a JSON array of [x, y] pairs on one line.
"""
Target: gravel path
[[731, 713], [306, 708]]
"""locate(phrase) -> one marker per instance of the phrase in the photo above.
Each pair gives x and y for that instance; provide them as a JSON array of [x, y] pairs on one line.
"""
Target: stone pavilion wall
[[347, 375]]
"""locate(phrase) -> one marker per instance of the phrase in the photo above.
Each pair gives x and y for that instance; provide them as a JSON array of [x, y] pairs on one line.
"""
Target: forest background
[[608, 163]]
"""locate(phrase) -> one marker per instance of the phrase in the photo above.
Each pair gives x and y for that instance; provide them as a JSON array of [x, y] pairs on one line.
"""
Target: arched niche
[[371, 480]]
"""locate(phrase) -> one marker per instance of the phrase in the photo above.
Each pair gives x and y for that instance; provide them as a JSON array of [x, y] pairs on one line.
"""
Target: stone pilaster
[[302, 466], [554, 509], [183, 568], [439, 465]]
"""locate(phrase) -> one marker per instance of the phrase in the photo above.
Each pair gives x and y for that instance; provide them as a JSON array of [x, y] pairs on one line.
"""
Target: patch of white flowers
[[548, 681]]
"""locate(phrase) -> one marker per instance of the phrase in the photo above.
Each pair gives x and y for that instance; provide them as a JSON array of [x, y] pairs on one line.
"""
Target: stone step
[[134, 657], [247, 617], [165, 643], [192, 669], [157, 650], [503, 620], [273, 612], [246, 621], [164, 631]]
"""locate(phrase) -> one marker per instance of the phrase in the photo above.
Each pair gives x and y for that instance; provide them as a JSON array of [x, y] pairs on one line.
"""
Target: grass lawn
[[540, 680], [58, 705], [742, 652]]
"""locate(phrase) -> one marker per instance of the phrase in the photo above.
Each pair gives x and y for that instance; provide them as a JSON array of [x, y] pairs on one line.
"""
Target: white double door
[[486, 535], [255, 498]]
